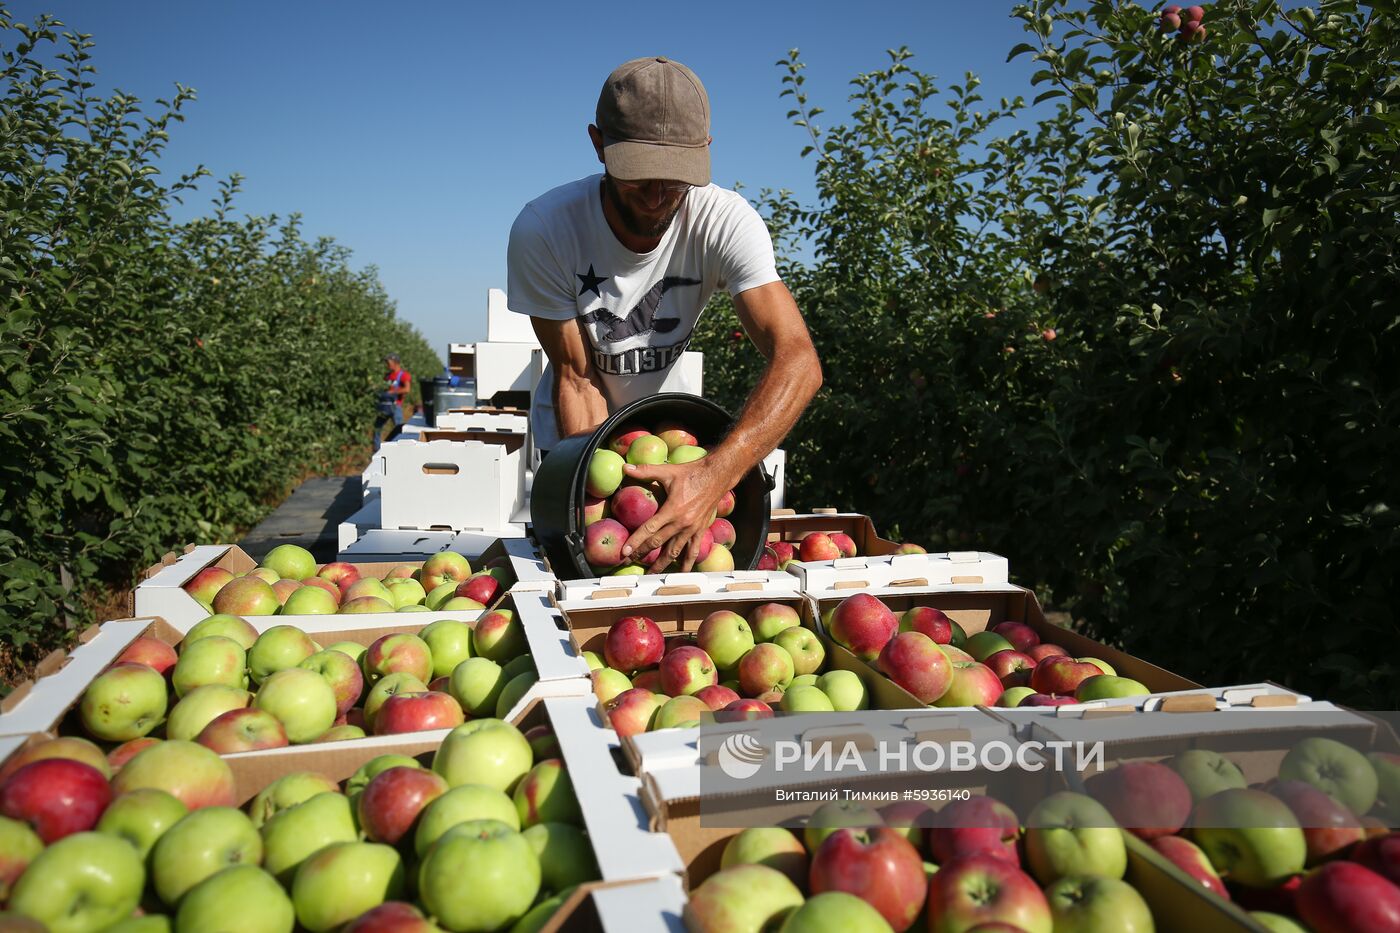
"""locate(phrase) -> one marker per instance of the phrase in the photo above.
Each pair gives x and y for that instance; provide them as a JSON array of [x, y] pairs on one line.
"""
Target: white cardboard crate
[[479, 420], [452, 485], [685, 587], [654, 905], [900, 571]]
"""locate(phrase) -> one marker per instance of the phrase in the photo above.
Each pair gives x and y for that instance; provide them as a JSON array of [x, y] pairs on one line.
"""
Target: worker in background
[[396, 384]]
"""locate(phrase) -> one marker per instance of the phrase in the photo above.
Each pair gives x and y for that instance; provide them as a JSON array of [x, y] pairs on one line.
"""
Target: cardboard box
[[976, 608], [900, 571], [1237, 697], [652, 586], [488, 420], [790, 526], [453, 485]]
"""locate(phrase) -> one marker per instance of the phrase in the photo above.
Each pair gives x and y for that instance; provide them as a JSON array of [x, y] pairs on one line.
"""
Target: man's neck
[[634, 243]]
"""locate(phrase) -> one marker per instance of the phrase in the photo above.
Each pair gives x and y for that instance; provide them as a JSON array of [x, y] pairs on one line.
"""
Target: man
[[396, 383], [614, 271]]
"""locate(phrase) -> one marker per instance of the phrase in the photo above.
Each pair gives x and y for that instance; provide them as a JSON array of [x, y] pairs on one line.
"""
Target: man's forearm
[[578, 406], [787, 385]]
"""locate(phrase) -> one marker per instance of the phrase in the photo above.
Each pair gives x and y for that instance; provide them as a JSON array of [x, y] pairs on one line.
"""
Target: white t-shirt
[[639, 309]]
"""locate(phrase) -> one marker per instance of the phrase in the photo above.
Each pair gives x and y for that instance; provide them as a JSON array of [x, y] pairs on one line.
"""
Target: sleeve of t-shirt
[[746, 250], [535, 282]]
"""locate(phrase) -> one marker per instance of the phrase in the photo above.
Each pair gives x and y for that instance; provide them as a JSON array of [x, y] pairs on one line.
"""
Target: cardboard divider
[[649, 585], [897, 571], [786, 525]]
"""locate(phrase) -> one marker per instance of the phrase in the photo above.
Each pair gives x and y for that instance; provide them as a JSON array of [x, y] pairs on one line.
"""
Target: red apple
[[55, 796], [744, 709], [765, 667], [1045, 699], [1344, 897], [1328, 827], [205, 585], [973, 684], [595, 509], [1187, 856], [321, 583], [481, 587], [975, 826], [417, 712], [622, 441], [784, 552], [151, 652], [1146, 798], [1280, 899], [768, 560], [984, 889], [1381, 854], [243, 730], [632, 711], [602, 543], [392, 917], [634, 643], [1061, 675], [878, 865], [633, 505], [342, 574], [390, 803], [74, 747], [932, 622], [1021, 635], [723, 532], [1013, 667], [716, 697], [397, 653], [648, 680], [862, 624], [285, 588], [817, 546], [687, 670], [915, 662], [129, 750], [844, 544], [1047, 650], [725, 507]]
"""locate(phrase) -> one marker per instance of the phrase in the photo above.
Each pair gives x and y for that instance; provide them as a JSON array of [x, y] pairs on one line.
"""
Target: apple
[[476, 684], [213, 660], [745, 897], [817, 546], [675, 436], [1014, 696], [459, 805], [722, 532], [862, 624], [126, 751], [140, 817], [546, 795], [1103, 666], [725, 507], [1329, 828], [774, 847], [784, 552], [301, 699], [595, 509], [928, 621], [979, 890], [1336, 769], [309, 601], [1250, 836], [200, 844], [725, 636], [765, 667], [1206, 772], [1071, 834], [1044, 699], [1276, 923], [227, 626], [201, 706], [744, 709], [395, 653], [1186, 855], [622, 440], [604, 473], [985, 644], [341, 733], [74, 747], [1381, 854], [685, 670], [19, 845], [243, 891], [632, 711], [565, 855], [839, 814], [805, 647], [846, 691], [685, 454], [151, 652], [284, 589], [1342, 897], [406, 593], [1012, 666], [444, 567], [290, 561], [973, 684], [193, 774], [834, 911], [391, 802], [680, 712], [1048, 650], [417, 712], [388, 686], [648, 680], [878, 865], [341, 573], [633, 643], [1107, 687], [484, 751], [912, 660], [292, 835], [246, 596], [975, 826], [1146, 798], [771, 619], [719, 560], [1061, 676], [481, 875], [909, 547], [805, 699], [342, 881], [481, 587], [1087, 904], [1021, 635], [321, 583], [86, 881], [499, 636], [278, 649], [439, 596], [243, 730], [514, 692], [366, 604], [608, 683], [126, 701], [648, 449], [632, 506], [205, 585], [57, 797], [341, 672]]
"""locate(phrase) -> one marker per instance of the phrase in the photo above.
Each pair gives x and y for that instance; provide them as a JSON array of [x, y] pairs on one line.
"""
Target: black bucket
[[556, 499]]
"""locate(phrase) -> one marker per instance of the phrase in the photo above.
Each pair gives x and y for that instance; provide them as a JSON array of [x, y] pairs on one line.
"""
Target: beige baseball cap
[[655, 119]]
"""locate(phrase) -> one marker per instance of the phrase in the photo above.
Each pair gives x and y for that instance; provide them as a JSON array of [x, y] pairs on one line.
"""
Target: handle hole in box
[[441, 469]]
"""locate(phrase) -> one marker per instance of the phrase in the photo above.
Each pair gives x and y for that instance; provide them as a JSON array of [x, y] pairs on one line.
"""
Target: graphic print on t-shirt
[[606, 327]]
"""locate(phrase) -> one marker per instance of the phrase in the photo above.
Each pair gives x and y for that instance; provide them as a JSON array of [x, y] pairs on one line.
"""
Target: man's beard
[[634, 223]]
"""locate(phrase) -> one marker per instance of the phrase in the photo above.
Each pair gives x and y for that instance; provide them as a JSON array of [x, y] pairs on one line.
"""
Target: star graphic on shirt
[[591, 281]]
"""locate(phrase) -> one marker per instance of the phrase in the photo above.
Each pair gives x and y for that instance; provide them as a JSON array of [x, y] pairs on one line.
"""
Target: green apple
[[460, 604], [344, 880], [228, 626], [1206, 772], [19, 845], [85, 881], [289, 790], [480, 875], [352, 648], [203, 705], [806, 700], [745, 897], [680, 712], [566, 857], [243, 898], [1338, 770], [484, 751], [294, 834], [834, 912], [1091, 904], [202, 843], [686, 453], [845, 690], [604, 473], [1107, 687], [648, 450], [804, 646], [767, 845], [389, 685], [406, 592], [516, 666], [310, 601], [340, 734], [593, 661], [440, 594], [1071, 834], [301, 700], [1100, 664], [211, 660], [514, 691], [1251, 837], [414, 608], [985, 644], [459, 805], [546, 795], [291, 562], [543, 912], [278, 649], [608, 683], [1276, 923], [476, 684], [838, 814], [629, 570], [141, 817], [499, 636], [803, 680], [150, 923], [1387, 767], [450, 642], [1013, 697]]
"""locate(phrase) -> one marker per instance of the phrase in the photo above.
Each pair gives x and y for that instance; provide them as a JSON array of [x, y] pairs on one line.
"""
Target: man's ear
[[596, 135]]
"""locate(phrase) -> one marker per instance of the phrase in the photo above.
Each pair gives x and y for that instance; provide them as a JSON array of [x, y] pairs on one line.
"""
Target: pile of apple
[[818, 545], [232, 689], [489, 836], [289, 582], [733, 667], [1309, 850], [967, 868], [617, 505], [928, 654]]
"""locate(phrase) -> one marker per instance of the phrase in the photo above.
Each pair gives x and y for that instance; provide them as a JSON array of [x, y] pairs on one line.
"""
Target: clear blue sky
[[414, 132]]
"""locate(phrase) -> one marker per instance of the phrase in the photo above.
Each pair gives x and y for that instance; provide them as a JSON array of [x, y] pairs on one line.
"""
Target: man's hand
[[692, 491]]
